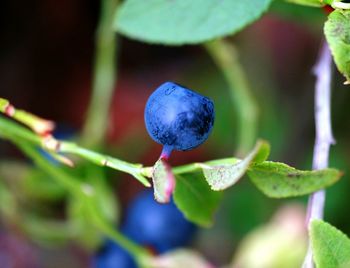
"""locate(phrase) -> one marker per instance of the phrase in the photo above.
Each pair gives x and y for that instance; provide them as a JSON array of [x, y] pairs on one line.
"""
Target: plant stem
[[104, 77], [324, 137], [9, 129], [37, 124], [225, 57], [78, 190]]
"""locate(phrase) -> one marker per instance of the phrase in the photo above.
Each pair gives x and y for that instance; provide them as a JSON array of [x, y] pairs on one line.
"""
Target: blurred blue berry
[[113, 256], [160, 226]]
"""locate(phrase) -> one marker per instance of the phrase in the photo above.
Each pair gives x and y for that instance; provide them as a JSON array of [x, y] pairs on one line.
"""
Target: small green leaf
[[311, 3], [279, 180], [178, 22], [163, 181], [261, 151], [194, 198], [221, 177], [330, 246], [337, 31]]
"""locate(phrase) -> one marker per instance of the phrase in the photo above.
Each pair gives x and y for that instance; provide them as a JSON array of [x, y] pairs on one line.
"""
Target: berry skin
[[159, 226], [178, 118], [112, 256]]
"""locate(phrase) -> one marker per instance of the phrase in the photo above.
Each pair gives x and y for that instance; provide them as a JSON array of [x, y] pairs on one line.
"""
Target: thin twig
[[324, 137], [226, 58], [105, 77], [38, 125]]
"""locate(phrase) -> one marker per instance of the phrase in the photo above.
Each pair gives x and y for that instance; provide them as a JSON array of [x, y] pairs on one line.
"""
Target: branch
[[10, 129], [37, 124], [324, 137]]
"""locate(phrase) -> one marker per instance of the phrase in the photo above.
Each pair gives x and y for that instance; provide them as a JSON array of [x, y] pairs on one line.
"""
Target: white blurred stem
[[324, 137]]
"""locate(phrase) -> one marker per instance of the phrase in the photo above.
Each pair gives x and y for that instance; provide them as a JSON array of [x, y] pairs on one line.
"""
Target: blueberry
[[178, 117], [160, 226], [112, 256]]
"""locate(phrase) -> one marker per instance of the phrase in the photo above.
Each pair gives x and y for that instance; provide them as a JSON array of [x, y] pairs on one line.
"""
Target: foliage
[[331, 247], [337, 30], [185, 22]]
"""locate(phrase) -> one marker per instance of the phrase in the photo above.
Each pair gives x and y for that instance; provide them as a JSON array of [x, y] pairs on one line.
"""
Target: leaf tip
[[163, 181]]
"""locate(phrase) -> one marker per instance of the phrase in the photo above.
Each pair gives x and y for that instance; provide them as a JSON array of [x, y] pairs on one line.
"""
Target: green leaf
[[194, 198], [279, 180], [221, 177], [337, 31], [178, 22], [163, 181], [330, 246]]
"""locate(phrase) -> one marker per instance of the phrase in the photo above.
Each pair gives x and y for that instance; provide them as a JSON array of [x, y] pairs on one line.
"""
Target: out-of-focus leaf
[[163, 181], [179, 258], [105, 198], [337, 31], [39, 185], [311, 3], [47, 232], [97, 193], [309, 17], [180, 22], [30, 181], [8, 206], [195, 199], [84, 231], [221, 177], [280, 243], [279, 180], [330, 246]]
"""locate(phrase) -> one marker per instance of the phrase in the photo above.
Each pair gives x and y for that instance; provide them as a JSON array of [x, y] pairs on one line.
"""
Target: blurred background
[[46, 58]]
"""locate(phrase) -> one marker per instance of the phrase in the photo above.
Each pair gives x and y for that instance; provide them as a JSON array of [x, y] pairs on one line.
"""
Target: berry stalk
[[166, 152], [324, 137]]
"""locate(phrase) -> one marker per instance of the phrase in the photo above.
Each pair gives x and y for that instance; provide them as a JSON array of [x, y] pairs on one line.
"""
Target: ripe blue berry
[[160, 226], [111, 256], [178, 118]]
